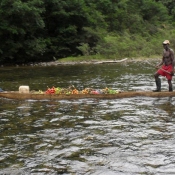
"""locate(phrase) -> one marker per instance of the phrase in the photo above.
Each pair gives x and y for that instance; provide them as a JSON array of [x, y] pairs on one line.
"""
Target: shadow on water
[[88, 136]]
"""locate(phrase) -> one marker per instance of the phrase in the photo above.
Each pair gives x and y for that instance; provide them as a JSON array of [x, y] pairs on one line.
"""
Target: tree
[[20, 29], [170, 5], [70, 23]]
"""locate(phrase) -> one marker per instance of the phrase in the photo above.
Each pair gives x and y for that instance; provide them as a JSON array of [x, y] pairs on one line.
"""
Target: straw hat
[[166, 42]]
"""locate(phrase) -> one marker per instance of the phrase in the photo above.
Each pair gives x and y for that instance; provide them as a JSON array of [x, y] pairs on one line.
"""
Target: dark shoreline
[[125, 60], [60, 63]]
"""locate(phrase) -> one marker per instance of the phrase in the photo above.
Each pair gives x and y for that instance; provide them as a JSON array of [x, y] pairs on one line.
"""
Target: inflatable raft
[[129, 94]]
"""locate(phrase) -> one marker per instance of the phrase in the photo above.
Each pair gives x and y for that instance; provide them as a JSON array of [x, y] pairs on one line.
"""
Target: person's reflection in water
[[167, 106]]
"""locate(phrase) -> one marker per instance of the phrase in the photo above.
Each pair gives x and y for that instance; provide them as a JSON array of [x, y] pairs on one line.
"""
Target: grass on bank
[[131, 46], [95, 58]]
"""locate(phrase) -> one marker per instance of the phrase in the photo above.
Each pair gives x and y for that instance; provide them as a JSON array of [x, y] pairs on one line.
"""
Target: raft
[[128, 94]]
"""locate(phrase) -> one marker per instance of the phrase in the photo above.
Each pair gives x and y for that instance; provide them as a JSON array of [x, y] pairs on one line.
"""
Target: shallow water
[[126, 136]]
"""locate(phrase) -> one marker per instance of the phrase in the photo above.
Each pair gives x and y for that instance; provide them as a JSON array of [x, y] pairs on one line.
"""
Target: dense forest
[[43, 30]]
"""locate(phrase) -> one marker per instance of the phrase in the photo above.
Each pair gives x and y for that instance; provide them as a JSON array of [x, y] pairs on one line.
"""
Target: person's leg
[[158, 83], [170, 86], [169, 77]]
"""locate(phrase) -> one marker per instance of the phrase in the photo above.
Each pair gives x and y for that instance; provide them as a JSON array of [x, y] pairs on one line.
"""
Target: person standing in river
[[167, 67]]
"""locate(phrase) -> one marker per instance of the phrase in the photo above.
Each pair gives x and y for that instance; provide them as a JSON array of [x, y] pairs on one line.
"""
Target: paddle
[[160, 68]]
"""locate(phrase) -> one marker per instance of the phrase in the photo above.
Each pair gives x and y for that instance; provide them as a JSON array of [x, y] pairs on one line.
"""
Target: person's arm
[[173, 61], [160, 64]]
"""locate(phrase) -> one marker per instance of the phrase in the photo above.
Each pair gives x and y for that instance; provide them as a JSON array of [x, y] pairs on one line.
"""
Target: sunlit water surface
[[129, 136]]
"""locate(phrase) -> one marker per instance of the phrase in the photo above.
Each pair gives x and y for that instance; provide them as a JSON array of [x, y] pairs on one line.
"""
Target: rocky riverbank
[[57, 63]]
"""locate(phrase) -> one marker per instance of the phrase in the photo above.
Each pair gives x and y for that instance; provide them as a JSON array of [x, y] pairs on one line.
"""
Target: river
[[129, 136]]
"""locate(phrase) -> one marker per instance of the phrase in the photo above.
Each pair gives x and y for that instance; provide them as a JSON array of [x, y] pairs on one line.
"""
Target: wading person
[[167, 67]]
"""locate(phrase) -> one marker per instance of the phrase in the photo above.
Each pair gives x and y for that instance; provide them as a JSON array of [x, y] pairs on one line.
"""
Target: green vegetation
[[45, 30]]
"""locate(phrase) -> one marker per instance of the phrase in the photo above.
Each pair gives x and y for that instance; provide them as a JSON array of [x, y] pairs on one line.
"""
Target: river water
[[129, 136]]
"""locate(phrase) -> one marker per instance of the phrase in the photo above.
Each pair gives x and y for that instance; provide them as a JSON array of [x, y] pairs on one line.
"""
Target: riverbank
[[63, 62], [66, 61]]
